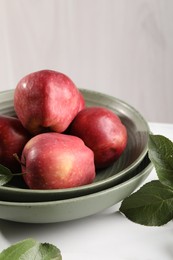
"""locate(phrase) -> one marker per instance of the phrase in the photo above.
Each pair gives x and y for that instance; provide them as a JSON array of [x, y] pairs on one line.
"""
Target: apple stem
[[17, 158]]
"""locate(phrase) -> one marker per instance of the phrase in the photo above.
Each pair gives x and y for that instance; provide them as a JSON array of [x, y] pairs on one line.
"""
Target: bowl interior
[[137, 129]]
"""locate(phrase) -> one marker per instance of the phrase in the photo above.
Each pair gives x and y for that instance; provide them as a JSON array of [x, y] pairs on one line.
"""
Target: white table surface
[[107, 235]]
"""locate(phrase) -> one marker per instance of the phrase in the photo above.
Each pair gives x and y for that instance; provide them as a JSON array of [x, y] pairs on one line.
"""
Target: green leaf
[[31, 249], [5, 175], [49, 251], [161, 155], [151, 205]]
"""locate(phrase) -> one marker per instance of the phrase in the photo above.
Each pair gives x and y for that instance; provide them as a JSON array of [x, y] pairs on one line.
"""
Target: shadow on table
[[14, 231]]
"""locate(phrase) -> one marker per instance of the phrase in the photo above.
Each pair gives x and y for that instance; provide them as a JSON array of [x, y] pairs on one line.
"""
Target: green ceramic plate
[[74, 208], [138, 131]]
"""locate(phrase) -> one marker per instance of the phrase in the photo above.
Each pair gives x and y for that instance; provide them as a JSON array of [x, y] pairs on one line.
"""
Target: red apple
[[47, 100], [103, 132], [13, 137], [81, 102], [56, 161]]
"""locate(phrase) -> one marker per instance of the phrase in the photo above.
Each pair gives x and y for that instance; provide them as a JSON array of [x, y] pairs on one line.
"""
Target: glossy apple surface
[[56, 161], [103, 132], [47, 100], [13, 137]]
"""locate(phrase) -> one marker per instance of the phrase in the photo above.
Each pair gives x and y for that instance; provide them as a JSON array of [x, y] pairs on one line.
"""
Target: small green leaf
[[49, 251], [31, 249], [151, 205], [5, 175], [161, 155]]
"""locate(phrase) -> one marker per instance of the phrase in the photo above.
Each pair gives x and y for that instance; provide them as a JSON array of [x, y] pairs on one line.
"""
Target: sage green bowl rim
[[72, 209], [100, 182], [146, 171]]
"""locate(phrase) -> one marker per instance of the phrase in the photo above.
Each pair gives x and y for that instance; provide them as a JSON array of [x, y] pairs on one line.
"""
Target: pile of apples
[[59, 140]]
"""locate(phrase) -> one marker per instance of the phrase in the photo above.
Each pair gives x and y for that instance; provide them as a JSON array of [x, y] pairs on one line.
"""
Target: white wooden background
[[120, 47]]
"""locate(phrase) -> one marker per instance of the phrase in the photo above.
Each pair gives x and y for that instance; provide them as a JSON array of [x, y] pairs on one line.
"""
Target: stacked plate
[[111, 185]]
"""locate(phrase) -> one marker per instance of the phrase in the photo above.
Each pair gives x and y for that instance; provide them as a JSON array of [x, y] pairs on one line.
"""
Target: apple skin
[[13, 137], [103, 132], [57, 161], [47, 100]]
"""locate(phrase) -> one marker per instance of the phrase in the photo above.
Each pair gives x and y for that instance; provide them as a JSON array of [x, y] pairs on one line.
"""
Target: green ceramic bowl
[[74, 208], [138, 131]]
